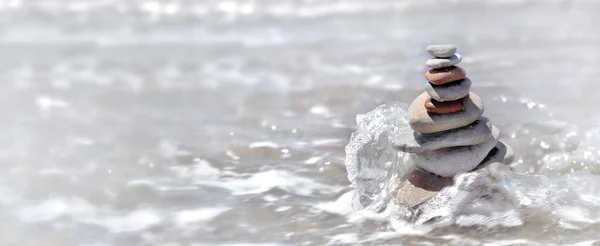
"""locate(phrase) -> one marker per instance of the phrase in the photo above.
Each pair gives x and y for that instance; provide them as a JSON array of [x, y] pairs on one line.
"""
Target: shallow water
[[132, 122]]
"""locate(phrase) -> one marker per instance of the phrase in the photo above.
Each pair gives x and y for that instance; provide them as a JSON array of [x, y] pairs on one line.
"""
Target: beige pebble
[[424, 122]]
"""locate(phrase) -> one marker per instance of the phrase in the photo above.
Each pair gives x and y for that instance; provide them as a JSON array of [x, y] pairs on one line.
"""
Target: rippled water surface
[[180, 122]]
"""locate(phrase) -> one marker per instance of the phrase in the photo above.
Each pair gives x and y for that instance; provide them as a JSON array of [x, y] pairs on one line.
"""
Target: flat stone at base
[[414, 142], [449, 92], [424, 122], [444, 62], [452, 161], [420, 187], [410, 196]]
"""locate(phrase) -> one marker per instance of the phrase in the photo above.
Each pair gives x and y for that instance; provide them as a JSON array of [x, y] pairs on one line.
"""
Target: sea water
[[176, 122]]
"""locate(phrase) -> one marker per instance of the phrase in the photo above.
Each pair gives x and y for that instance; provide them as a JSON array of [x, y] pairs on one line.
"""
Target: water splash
[[488, 199], [371, 161]]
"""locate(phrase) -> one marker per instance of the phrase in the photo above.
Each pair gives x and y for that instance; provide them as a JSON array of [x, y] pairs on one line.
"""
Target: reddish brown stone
[[447, 107], [440, 76]]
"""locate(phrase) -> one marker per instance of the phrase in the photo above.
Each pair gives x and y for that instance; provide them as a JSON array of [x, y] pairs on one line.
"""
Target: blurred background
[[181, 122]]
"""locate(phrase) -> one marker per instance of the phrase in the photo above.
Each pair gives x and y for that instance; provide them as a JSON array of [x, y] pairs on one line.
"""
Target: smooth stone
[[444, 62], [424, 122], [502, 153], [450, 91], [414, 142], [446, 107], [452, 161], [441, 50], [419, 187], [440, 76]]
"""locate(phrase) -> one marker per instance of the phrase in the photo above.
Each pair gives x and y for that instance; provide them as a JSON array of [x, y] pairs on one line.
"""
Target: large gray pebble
[[444, 62], [452, 161], [441, 50]]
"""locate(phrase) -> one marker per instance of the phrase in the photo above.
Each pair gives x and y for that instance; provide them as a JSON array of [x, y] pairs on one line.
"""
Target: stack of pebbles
[[450, 134]]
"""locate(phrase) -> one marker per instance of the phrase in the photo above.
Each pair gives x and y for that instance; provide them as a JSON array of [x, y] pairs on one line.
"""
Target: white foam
[[185, 217], [341, 206], [134, 221], [201, 169], [344, 238], [326, 142], [265, 181], [584, 243], [55, 208], [264, 144]]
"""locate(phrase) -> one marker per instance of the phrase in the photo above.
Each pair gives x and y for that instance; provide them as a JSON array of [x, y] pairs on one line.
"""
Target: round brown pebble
[[440, 76], [447, 107]]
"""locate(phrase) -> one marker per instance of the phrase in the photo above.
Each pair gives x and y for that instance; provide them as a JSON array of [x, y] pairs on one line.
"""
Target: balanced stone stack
[[450, 134]]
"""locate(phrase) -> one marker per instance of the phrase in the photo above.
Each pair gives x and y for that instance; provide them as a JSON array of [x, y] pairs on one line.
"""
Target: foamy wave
[[265, 181]]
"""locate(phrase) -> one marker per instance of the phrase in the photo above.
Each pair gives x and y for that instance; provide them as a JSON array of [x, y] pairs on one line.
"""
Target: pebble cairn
[[450, 134]]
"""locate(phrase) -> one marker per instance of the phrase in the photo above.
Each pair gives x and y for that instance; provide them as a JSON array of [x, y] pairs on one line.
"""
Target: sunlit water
[[184, 122]]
